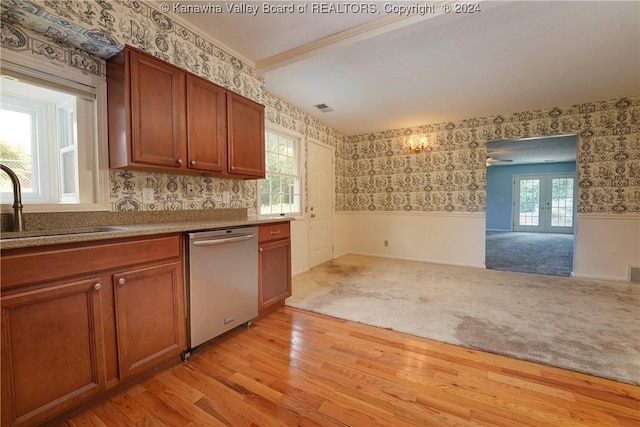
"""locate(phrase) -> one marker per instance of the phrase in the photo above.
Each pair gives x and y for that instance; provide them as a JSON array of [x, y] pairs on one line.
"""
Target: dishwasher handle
[[223, 240]]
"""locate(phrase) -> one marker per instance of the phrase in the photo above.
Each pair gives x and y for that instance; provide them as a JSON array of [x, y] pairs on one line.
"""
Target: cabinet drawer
[[274, 232], [57, 262]]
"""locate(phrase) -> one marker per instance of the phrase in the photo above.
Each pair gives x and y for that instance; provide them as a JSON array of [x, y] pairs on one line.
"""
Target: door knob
[[122, 281], [97, 286]]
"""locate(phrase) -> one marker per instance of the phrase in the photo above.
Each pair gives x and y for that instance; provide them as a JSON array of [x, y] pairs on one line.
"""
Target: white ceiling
[[383, 71], [555, 149]]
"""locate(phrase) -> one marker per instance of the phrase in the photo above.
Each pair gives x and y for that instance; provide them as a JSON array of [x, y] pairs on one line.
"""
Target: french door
[[544, 203]]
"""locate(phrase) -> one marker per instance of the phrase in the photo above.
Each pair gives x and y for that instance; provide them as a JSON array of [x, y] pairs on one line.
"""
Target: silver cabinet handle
[[97, 286], [179, 161], [276, 232], [233, 168], [122, 281], [261, 250], [192, 162]]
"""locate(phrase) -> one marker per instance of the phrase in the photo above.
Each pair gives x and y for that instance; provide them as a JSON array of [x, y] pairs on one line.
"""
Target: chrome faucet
[[18, 219]]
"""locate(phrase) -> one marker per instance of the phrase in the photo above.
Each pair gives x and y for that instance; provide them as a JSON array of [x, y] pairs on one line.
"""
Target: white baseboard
[[340, 254], [598, 277], [296, 273], [430, 261]]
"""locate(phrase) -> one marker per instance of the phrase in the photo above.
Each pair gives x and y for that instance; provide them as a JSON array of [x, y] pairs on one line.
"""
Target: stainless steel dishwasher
[[222, 281]]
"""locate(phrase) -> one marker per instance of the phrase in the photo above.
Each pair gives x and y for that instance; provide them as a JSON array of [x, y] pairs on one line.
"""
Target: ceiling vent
[[324, 108]]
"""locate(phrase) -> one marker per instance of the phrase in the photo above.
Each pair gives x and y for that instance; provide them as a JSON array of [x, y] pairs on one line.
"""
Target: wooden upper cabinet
[[147, 127], [163, 118], [157, 115], [206, 125], [246, 136]]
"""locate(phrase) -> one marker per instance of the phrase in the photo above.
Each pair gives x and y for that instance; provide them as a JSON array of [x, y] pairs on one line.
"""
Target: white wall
[[606, 246], [445, 238], [299, 246]]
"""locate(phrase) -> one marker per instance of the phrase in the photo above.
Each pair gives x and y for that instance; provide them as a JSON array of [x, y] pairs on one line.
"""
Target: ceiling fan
[[492, 160]]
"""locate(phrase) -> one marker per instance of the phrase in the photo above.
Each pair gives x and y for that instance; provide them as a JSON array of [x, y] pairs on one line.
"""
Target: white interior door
[[320, 179], [544, 203]]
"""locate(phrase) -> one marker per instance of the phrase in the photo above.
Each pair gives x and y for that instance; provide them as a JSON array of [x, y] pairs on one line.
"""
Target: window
[[279, 193], [38, 137], [49, 138]]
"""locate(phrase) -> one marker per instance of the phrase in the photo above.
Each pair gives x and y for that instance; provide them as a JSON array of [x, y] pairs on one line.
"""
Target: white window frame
[[40, 169], [300, 154], [68, 129], [93, 158]]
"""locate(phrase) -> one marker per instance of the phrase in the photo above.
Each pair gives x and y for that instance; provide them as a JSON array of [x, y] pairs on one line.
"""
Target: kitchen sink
[[57, 232]]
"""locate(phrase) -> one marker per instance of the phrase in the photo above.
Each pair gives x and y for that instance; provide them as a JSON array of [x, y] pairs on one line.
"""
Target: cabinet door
[[206, 125], [274, 264], [52, 350], [157, 91], [246, 136], [149, 316]]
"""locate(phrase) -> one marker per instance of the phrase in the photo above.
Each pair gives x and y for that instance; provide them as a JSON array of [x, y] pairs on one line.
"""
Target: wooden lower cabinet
[[52, 350], [274, 264], [79, 319], [149, 316]]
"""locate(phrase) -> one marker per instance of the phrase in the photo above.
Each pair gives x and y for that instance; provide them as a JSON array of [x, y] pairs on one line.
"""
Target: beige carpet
[[584, 325]]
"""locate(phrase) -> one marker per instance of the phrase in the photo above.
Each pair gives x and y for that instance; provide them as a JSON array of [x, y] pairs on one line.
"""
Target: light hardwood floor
[[298, 368]]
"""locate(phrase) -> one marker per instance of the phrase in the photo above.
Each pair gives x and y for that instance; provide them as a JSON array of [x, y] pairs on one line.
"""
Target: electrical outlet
[[191, 190], [147, 196], [226, 197]]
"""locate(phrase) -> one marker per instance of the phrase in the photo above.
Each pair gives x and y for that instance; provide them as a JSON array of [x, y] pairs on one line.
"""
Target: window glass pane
[[290, 166], [283, 166], [15, 148], [275, 183], [282, 183], [529, 202], [562, 202], [68, 173], [265, 204]]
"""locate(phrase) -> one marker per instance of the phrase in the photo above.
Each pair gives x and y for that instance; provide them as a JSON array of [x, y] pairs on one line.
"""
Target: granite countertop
[[59, 228]]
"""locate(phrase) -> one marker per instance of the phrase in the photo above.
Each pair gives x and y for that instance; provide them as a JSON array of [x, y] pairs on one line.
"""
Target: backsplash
[[375, 173], [178, 192]]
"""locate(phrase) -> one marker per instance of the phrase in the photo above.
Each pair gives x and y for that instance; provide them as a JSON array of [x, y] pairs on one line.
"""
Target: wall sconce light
[[416, 144]]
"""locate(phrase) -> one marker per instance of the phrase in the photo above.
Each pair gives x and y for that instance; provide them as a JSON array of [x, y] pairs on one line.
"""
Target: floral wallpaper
[[82, 34], [178, 192], [375, 173]]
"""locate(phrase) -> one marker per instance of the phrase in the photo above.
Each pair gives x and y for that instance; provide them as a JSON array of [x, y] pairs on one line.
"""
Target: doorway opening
[[531, 205]]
